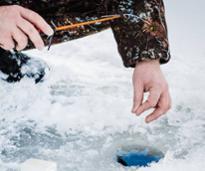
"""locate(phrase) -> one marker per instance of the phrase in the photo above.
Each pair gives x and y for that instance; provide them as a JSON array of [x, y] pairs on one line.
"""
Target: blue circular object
[[141, 157]]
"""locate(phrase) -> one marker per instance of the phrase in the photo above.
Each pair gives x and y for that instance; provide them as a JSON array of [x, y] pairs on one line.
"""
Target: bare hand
[[18, 24], [148, 77]]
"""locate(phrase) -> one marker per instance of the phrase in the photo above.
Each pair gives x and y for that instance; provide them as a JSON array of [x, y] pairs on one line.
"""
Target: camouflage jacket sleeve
[[142, 33], [3, 3]]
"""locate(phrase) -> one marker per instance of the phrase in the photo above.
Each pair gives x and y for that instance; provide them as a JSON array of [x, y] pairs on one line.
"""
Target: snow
[[40, 165], [79, 117]]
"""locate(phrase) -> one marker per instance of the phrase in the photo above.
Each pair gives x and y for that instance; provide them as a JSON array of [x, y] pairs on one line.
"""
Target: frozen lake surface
[[80, 115]]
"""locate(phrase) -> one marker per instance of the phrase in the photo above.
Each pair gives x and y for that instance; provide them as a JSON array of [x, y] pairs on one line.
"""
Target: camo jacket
[[141, 32]]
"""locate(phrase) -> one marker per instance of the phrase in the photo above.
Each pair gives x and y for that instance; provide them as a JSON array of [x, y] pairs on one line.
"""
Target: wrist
[[154, 62]]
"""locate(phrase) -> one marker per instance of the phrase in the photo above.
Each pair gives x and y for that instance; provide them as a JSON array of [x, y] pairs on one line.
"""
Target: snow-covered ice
[[38, 165], [79, 117]]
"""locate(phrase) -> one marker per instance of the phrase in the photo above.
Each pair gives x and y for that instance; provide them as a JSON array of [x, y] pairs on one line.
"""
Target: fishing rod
[[76, 25]]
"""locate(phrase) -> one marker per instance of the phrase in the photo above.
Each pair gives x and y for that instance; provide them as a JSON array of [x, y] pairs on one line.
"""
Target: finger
[[170, 101], [138, 96], [20, 38], [151, 102], [37, 20], [165, 101], [163, 107], [155, 115], [32, 33], [8, 43]]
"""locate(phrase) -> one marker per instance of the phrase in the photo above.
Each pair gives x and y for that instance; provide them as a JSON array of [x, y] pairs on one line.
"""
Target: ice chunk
[[38, 165]]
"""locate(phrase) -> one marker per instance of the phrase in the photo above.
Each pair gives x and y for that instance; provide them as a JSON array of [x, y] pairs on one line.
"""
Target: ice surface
[[38, 165], [80, 116]]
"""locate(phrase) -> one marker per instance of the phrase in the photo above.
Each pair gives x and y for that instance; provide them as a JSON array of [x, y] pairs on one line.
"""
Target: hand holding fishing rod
[[19, 24]]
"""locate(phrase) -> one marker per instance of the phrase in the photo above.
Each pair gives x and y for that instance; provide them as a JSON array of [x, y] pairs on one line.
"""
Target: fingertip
[[49, 31], [17, 49], [41, 45], [134, 109], [148, 120], [138, 112], [41, 48]]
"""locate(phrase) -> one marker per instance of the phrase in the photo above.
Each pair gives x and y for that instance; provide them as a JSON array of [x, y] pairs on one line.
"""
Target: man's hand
[[148, 77], [18, 24]]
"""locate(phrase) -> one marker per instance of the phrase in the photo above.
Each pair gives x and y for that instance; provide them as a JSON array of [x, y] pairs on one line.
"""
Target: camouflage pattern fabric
[[141, 32]]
